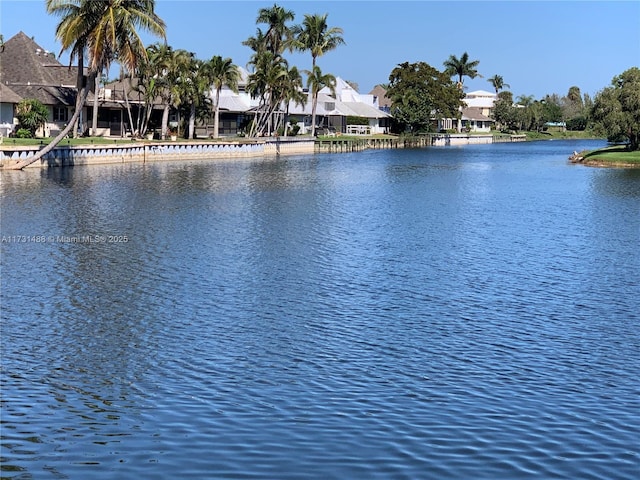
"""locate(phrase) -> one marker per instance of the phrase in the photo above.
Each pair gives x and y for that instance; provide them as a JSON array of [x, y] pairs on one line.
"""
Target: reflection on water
[[459, 311]]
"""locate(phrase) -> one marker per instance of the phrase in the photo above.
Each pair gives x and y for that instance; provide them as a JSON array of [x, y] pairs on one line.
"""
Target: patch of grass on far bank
[[35, 142], [568, 135], [617, 155]]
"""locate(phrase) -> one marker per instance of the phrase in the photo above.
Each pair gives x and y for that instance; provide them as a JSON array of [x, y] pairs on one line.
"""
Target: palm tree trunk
[[165, 122], [80, 99], [128, 105], [94, 120], [192, 120], [313, 114], [80, 85], [216, 119]]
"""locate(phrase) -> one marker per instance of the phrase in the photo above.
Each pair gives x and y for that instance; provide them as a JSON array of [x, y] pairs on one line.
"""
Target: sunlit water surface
[[462, 312]]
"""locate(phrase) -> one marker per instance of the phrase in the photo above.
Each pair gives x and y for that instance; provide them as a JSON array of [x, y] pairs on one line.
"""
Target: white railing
[[358, 129]]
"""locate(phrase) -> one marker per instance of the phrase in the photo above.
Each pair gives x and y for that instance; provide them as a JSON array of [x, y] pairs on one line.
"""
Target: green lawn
[[31, 142], [617, 155], [585, 134]]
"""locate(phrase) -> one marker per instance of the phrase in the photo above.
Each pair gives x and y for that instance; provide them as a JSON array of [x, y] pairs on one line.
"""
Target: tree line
[[105, 32], [420, 94]]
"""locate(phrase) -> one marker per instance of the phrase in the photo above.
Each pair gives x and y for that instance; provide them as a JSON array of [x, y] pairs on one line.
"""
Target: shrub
[[24, 133], [577, 123], [32, 114], [353, 120]]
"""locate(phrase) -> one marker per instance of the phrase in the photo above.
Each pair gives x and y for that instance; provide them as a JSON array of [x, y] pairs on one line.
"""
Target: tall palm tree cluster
[[179, 80], [99, 32], [271, 80]]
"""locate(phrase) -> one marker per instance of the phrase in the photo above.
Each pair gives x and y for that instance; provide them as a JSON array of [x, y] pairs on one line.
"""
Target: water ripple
[[440, 313]]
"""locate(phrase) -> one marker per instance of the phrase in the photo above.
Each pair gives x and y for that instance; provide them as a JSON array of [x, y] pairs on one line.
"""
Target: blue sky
[[538, 47]]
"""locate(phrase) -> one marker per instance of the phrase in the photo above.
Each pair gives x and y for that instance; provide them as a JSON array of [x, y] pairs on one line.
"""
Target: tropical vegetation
[[616, 109], [97, 33], [106, 31], [419, 93], [32, 115]]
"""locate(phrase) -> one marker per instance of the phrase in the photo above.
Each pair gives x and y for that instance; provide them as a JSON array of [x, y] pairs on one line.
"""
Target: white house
[[332, 112], [476, 115]]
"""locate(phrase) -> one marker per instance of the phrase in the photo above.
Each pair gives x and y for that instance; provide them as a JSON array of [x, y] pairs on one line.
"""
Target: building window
[[60, 114]]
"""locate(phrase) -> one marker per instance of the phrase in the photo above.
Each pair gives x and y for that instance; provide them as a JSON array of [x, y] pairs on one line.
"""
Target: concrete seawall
[[154, 152], [142, 152]]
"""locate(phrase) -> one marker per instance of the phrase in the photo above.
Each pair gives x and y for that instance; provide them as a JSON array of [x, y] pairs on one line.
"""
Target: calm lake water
[[467, 312]]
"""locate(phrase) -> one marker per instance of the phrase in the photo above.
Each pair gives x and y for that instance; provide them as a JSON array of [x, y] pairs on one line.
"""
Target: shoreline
[[598, 158], [152, 152]]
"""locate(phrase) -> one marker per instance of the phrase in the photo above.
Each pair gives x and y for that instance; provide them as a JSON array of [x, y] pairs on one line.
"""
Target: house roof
[[327, 105], [380, 92], [472, 113], [480, 93], [359, 109], [7, 95], [30, 71], [233, 103], [23, 61], [46, 95]]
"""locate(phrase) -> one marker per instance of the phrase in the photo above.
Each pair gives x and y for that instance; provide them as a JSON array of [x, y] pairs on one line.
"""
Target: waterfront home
[[333, 113], [29, 71], [476, 114]]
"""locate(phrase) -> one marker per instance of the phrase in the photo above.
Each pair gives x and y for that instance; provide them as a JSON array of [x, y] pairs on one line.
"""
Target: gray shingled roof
[[7, 95], [474, 113], [381, 93], [31, 72]]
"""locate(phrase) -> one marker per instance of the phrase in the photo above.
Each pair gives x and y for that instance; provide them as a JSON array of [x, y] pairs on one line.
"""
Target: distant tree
[[32, 115], [419, 94], [461, 67], [279, 35], [193, 85], [291, 91], [573, 110], [498, 83], [316, 81], [572, 103], [505, 113], [316, 36], [616, 109], [552, 108], [525, 100], [221, 72], [268, 67]]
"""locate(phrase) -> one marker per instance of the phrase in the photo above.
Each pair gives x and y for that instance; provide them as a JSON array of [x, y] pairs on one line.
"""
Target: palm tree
[[221, 72], [461, 67], [267, 65], [190, 86], [278, 36], [157, 79], [107, 31], [268, 72], [292, 91], [316, 81], [498, 83], [315, 35]]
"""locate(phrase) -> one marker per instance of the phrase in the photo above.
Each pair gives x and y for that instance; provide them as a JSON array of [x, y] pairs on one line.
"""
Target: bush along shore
[[614, 156]]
